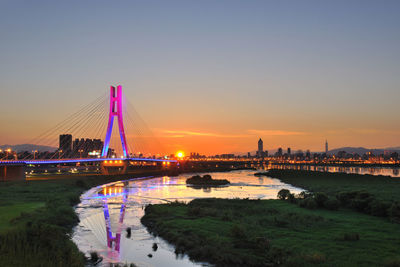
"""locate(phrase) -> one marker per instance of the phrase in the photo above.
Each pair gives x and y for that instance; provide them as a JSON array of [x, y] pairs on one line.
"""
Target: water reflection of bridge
[[119, 189]]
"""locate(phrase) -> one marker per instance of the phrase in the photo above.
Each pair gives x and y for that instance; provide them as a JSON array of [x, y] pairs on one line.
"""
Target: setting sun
[[180, 154]]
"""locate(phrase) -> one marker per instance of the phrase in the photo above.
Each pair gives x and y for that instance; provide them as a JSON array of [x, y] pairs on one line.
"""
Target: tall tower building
[[326, 147], [65, 143], [260, 151]]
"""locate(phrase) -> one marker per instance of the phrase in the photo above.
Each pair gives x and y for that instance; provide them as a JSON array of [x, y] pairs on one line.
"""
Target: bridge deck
[[80, 160]]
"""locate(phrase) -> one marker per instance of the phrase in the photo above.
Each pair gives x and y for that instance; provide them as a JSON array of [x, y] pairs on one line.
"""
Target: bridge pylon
[[115, 111]]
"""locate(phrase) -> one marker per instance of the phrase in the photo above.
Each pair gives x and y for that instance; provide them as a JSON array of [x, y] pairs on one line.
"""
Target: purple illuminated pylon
[[115, 110]]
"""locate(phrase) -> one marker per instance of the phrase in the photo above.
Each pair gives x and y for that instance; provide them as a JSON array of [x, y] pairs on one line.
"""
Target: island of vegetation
[[338, 221], [206, 180]]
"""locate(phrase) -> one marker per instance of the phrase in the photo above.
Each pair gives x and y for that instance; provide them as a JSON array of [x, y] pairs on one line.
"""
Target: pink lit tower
[[115, 111]]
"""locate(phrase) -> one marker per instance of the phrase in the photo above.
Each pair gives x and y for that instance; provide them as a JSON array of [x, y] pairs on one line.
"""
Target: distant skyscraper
[[65, 143], [326, 146], [260, 151], [279, 152], [289, 151]]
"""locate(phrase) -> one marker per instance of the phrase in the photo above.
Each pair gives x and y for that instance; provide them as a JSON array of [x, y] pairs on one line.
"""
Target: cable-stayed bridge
[[126, 139]]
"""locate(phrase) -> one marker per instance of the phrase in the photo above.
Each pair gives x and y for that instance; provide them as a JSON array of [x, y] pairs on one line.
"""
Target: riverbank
[[383, 187], [276, 232], [37, 217]]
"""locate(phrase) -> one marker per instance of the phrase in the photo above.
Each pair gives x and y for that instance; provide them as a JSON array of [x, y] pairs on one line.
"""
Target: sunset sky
[[208, 76]]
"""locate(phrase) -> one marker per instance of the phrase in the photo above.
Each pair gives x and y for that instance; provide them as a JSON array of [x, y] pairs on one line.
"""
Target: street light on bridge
[[8, 151], [80, 153]]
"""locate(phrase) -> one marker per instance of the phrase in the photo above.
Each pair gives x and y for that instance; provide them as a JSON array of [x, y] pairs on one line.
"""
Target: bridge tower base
[[112, 167]]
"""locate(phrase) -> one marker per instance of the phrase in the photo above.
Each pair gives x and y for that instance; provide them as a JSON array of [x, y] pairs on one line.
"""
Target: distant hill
[[350, 150], [393, 148], [363, 150], [28, 147]]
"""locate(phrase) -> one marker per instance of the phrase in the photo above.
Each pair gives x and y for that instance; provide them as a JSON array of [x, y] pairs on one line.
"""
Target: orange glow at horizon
[[180, 154]]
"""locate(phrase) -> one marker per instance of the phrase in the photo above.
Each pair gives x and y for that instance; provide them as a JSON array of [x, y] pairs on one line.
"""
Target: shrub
[[262, 243], [227, 216], [207, 177], [320, 198], [332, 204], [277, 255], [283, 194], [194, 211], [94, 256], [361, 204], [315, 258], [304, 194], [364, 195], [349, 237], [292, 198], [310, 203], [73, 199], [394, 212], [392, 262], [346, 197], [378, 208], [238, 231]]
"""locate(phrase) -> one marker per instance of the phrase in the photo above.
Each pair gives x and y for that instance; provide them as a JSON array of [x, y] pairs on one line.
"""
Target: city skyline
[[293, 74]]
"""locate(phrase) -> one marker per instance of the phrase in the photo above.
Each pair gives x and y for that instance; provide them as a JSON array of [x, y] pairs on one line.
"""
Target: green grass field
[[263, 232], [9, 213]]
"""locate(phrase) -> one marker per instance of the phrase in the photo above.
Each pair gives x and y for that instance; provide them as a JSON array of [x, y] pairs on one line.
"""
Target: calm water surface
[[110, 209]]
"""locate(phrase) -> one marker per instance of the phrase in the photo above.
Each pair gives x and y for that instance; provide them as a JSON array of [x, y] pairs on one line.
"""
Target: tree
[[283, 194]]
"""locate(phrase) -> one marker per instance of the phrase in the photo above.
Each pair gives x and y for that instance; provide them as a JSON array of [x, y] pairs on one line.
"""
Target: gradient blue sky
[[208, 76]]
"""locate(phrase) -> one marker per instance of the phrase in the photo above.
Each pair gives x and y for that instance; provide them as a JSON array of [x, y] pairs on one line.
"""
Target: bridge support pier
[[12, 172], [112, 167]]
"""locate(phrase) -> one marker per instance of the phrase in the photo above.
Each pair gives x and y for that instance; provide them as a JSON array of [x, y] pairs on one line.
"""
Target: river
[[111, 209]]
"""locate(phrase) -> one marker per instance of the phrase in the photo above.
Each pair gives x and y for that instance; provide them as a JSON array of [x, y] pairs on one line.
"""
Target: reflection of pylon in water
[[113, 242]]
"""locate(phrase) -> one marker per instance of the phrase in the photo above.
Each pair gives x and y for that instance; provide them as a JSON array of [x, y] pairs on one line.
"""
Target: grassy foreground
[[274, 232], [330, 232]]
